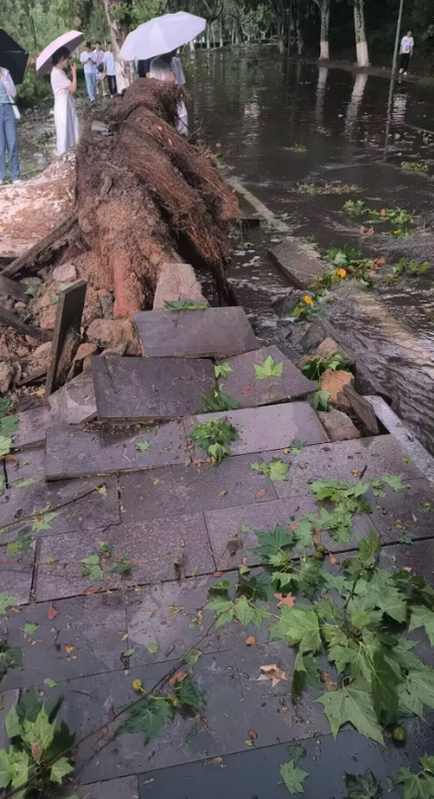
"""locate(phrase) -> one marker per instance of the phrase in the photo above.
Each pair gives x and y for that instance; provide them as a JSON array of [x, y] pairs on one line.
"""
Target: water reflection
[[354, 104]]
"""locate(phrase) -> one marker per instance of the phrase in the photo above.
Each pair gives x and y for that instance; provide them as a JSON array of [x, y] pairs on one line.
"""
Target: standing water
[[279, 125]]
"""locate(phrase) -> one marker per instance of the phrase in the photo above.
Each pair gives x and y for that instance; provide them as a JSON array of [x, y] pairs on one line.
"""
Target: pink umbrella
[[70, 40]]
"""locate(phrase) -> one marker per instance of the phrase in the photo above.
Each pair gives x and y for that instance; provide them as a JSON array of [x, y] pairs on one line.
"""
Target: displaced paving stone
[[7, 699], [93, 511], [180, 489], [150, 388], [74, 402], [255, 771], [177, 281], [266, 428], [172, 616], [122, 788], [218, 332], [242, 521], [16, 575], [343, 460], [26, 465], [338, 425], [32, 427], [335, 382], [87, 703], [71, 452], [153, 547], [401, 513], [242, 384], [95, 626]]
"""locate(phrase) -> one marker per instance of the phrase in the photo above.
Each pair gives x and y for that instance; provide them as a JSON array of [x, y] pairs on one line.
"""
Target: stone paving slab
[[7, 699], [26, 465], [95, 626], [225, 524], [418, 556], [71, 452], [369, 457], [32, 427], [95, 510], [254, 774], [266, 428], [242, 384], [402, 512], [16, 575], [193, 334], [150, 388], [153, 547], [122, 788], [180, 489], [87, 703]]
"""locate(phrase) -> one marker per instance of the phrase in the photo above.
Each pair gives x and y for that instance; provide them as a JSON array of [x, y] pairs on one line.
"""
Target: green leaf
[[422, 617], [276, 469], [383, 687], [7, 602], [417, 691], [248, 613], [22, 543], [269, 369], [349, 705], [185, 305], [60, 769], [123, 567], [187, 693], [217, 400], [39, 731], [30, 628], [391, 602], [51, 683], [129, 652], [362, 786], [43, 522], [222, 370], [8, 425], [12, 723], [5, 446], [10, 657], [143, 446], [192, 657], [91, 560], [152, 648], [25, 483], [300, 626], [272, 543], [147, 717], [413, 784], [20, 765], [293, 777], [5, 769], [320, 400], [393, 481], [106, 549]]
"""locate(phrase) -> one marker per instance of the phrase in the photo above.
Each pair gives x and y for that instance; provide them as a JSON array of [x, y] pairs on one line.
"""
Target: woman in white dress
[[168, 68], [65, 115]]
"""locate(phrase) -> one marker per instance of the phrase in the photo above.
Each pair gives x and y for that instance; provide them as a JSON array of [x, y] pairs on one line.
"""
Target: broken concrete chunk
[[338, 425], [334, 382], [112, 332], [66, 273], [74, 402], [6, 376], [329, 347], [177, 281]]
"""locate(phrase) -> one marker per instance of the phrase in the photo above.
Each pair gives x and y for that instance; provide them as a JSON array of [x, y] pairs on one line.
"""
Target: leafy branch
[[215, 438]]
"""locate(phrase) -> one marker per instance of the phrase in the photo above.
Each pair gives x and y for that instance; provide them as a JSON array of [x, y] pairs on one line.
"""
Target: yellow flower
[[308, 300], [341, 273], [137, 685], [397, 232]]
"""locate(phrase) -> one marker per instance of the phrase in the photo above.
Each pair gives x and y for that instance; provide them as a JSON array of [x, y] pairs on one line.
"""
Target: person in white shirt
[[89, 60], [168, 68], [407, 44], [8, 127], [110, 70], [65, 115], [100, 75]]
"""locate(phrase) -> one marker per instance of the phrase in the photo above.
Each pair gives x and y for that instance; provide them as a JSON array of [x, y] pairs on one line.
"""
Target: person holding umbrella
[[65, 115], [169, 68]]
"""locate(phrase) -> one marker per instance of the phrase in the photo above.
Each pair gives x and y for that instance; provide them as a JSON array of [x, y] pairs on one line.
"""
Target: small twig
[[50, 508]]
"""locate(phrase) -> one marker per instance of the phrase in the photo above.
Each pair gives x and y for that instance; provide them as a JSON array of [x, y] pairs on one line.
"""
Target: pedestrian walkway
[[136, 524]]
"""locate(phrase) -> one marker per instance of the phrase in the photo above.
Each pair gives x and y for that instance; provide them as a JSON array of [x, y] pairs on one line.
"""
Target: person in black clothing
[[143, 67]]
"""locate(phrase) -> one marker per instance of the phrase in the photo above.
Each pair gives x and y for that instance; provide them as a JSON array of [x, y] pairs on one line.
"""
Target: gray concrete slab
[[87, 703], [242, 521], [419, 557], [74, 403], [401, 512], [266, 428], [344, 460], [254, 773], [301, 263], [172, 616], [193, 334], [150, 388], [152, 546], [16, 575], [7, 699], [95, 510], [122, 788], [71, 452], [95, 626], [242, 384], [26, 465], [180, 489], [32, 427]]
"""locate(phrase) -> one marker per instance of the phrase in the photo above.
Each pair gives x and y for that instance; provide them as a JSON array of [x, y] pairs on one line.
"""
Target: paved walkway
[[147, 492]]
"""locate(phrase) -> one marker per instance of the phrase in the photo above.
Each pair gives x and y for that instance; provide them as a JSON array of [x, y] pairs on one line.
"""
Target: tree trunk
[[221, 31], [118, 33], [298, 28], [324, 52], [208, 36], [359, 29]]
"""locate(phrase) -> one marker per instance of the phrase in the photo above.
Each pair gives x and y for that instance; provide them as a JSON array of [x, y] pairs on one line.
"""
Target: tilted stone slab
[[26, 465], [71, 452], [194, 334], [16, 574], [243, 385], [145, 389], [266, 428]]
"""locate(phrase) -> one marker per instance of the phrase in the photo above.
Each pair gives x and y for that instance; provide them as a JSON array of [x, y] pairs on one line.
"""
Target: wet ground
[[353, 136]]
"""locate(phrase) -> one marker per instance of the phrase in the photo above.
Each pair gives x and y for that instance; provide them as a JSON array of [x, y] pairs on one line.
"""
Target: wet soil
[[352, 135]]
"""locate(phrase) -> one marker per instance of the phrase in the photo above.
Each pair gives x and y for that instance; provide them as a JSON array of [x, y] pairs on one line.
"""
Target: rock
[[335, 382], [119, 350], [292, 298], [22, 352], [177, 280], [328, 347], [338, 425], [7, 373], [41, 356], [66, 273], [85, 351], [20, 306], [109, 333], [8, 303], [107, 302]]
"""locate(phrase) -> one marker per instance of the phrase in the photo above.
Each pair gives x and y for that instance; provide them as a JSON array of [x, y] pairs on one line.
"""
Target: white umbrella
[[70, 40], [161, 35]]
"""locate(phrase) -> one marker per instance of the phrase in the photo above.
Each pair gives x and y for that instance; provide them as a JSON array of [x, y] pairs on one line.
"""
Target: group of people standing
[[98, 65]]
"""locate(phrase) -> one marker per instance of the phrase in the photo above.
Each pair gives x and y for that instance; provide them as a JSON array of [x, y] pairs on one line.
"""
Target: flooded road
[[281, 124]]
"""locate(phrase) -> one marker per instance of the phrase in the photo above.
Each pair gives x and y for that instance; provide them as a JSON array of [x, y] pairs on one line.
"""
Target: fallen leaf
[[40, 392], [178, 677], [316, 536], [223, 493], [217, 574], [69, 649], [333, 561], [250, 640], [272, 673], [246, 389], [293, 527], [287, 600], [91, 590], [52, 613], [10, 458], [407, 568], [217, 760], [355, 472], [261, 494], [328, 682], [252, 734]]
